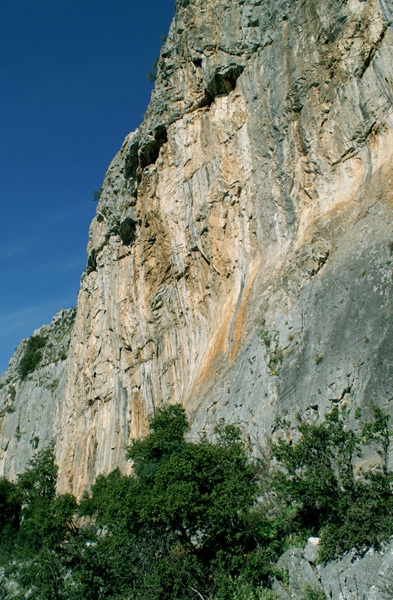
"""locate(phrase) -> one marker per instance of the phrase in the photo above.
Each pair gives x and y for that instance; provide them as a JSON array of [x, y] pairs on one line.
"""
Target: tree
[[10, 514], [317, 479], [31, 356], [47, 519], [181, 523], [40, 477]]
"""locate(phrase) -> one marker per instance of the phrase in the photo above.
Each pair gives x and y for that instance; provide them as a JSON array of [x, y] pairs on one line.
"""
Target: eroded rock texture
[[366, 575], [240, 258], [29, 405]]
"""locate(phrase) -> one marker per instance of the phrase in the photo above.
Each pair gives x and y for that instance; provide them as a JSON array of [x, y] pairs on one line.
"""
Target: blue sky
[[73, 84]]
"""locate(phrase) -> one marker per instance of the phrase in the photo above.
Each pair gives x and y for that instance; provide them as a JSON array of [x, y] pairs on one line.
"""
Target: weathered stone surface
[[364, 575], [240, 258], [310, 552], [302, 575], [355, 576], [29, 407]]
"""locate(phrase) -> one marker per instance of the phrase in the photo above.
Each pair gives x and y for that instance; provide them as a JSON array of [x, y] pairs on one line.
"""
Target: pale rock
[[310, 552], [29, 407]]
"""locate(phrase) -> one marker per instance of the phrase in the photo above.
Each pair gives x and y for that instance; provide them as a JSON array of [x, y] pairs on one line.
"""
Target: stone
[[301, 575], [367, 574], [310, 552], [29, 407]]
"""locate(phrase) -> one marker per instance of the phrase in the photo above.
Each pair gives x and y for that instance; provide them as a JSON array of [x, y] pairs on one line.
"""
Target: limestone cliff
[[240, 258], [30, 404]]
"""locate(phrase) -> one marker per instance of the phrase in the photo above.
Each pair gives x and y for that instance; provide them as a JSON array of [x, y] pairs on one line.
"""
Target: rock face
[[240, 260], [364, 575], [29, 406]]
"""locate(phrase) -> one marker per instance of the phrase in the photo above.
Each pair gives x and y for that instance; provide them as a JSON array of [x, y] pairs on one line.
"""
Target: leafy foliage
[[96, 195], [31, 356], [180, 524], [152, 74], [46, 518], [196, 520], [312, 594], [39, 480], [10, 510], [318, 481]]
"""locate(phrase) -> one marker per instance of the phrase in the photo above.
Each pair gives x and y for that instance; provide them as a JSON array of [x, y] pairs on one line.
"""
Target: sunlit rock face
[[240, 258]]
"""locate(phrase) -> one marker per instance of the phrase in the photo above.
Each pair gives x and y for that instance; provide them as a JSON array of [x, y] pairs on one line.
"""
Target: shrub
[[10, 510], [318, 482], [181, 522], [152, 74], [31, 356], [46, 518], [97, 194], [198, 519], [313, 594]]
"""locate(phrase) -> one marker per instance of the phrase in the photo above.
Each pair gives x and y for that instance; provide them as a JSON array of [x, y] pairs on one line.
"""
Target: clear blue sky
[[73, 84]]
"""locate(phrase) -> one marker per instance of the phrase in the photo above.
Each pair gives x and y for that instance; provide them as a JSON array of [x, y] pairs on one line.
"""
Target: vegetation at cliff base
[[196, 519], [328, 497]]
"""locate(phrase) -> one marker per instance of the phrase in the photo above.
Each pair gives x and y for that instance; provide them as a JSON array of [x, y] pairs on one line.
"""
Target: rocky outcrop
[[240, 258], [29, 404], [366, 575]]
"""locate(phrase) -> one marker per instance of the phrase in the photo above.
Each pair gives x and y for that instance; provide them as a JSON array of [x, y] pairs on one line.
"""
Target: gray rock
[[360, 576], [301, 575], [366, 575], [29, 407], [310, 553]]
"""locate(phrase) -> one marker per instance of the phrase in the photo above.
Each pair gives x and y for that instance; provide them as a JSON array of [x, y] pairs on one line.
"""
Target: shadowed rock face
[[29, 405], [239, 261]]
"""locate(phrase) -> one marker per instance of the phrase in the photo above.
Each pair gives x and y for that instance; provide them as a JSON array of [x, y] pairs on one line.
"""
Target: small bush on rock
[[31, 356]]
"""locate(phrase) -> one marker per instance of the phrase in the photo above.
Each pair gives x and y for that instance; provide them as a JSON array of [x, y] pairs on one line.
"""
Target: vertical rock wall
[[240, 258], [29, 400]]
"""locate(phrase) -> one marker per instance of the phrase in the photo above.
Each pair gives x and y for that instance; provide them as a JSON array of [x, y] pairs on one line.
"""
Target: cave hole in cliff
[[223, 82], [150, 150], [92, 262], [127, 231]]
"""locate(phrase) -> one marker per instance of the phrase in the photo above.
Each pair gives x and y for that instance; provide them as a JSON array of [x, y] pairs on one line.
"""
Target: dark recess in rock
[[223, 81], [127, 231], [150, 149], [131, 162], [92, 262]]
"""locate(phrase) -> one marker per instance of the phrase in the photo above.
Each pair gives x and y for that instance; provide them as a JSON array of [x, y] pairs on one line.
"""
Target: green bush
[[197, 519], [31, 356], [152, 74], [318, 485], [181, 523], [313, 594], [10, 511], [96, 195]]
